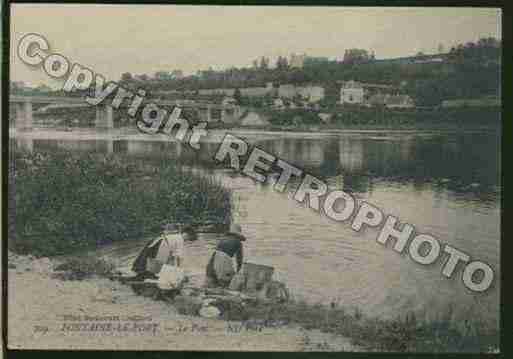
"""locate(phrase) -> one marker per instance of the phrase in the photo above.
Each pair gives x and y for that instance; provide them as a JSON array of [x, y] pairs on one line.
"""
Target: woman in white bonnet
[[168, 248]]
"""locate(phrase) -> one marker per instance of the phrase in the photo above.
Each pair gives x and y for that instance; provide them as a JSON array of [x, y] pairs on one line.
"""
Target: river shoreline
[[71, 312], [105, 314], [217, 135]]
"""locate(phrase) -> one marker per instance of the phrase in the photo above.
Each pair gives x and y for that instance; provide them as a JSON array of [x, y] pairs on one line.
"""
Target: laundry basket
[[257, 275]]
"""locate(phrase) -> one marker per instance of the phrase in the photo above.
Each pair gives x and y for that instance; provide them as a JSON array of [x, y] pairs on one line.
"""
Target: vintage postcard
[[253, 178]]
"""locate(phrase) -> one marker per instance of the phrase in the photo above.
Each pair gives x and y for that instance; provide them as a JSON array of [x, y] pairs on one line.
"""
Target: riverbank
[[347, 116], [100, 313], [346, 119], [61, 202], [45, 312]]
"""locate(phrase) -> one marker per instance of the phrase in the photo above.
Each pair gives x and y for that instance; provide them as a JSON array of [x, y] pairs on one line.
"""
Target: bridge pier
[[109, 146], [104, 118], [237, 112], [25, 143], [24, 118], [178, 145], [209, 113]]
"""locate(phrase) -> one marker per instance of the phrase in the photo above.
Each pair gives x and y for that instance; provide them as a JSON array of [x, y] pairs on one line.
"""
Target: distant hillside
[[467, 71]]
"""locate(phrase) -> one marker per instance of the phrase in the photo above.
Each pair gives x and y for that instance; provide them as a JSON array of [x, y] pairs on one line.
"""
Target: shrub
[[80, 268], [62, 202]]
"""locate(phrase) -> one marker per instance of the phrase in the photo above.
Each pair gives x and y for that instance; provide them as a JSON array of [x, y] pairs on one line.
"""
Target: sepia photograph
[[252, 178]]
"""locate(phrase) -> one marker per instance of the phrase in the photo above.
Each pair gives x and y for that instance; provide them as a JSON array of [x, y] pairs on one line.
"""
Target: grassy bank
[[402, 334], [377, 118], [60, 202]]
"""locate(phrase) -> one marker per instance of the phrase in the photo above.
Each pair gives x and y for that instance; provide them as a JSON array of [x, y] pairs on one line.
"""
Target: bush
[[402, 334], [294, 117], [61, 202], [80, 268]]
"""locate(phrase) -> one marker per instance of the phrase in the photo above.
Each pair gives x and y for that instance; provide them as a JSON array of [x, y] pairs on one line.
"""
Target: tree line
[[470, 70]]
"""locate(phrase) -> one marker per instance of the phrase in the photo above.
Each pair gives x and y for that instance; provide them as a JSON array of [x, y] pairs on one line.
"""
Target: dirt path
[[38, 302]]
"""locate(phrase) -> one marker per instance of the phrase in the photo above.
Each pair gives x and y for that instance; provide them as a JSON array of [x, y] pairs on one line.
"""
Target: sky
[[113, 39]]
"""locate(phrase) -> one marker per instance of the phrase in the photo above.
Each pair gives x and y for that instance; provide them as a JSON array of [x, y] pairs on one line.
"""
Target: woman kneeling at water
[[168, 248], [220, 267]]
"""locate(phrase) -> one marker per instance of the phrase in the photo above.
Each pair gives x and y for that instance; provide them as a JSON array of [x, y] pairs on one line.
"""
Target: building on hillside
[[376, 100], [312, 61], [17, 86], [311, 93], [477, 102], [372, 89], [287, 91], [390, 101], [56, 107], [268, 89], [428, 60], [417, 59], [325, 117], [177, 74], [229, 101], [352, 92], [278, 104], [399, 101], [142, 77], [217, 91], [255, 91], [297, 61], [254, 119]]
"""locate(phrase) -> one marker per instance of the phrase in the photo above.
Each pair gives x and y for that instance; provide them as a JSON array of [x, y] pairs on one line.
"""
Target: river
[[444, 184]]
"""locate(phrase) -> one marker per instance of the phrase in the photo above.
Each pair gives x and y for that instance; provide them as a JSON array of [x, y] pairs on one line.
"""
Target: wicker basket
[[257, 275]]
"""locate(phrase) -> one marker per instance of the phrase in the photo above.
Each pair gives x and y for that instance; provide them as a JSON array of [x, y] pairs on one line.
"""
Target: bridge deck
[[81, 100]]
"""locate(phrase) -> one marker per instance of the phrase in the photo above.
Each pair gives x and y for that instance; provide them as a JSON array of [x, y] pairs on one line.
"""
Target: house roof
[[377, 99], [389, 99], [357, 84], [398, 99]]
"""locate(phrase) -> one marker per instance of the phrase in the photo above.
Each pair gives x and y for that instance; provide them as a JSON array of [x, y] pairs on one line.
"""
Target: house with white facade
[[229, 101], [261, 91], [390, 101], [352, 92], [287, 91], [311, 93], [278, 104], [367, 94], [297, 61], [399, 101]]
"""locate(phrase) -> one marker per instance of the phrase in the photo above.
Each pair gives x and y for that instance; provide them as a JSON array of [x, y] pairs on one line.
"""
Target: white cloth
[[170, 277], [171, 245], [223, 267]]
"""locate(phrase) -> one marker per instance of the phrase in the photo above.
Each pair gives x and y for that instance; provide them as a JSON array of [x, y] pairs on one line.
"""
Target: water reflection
[[468, 166]]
